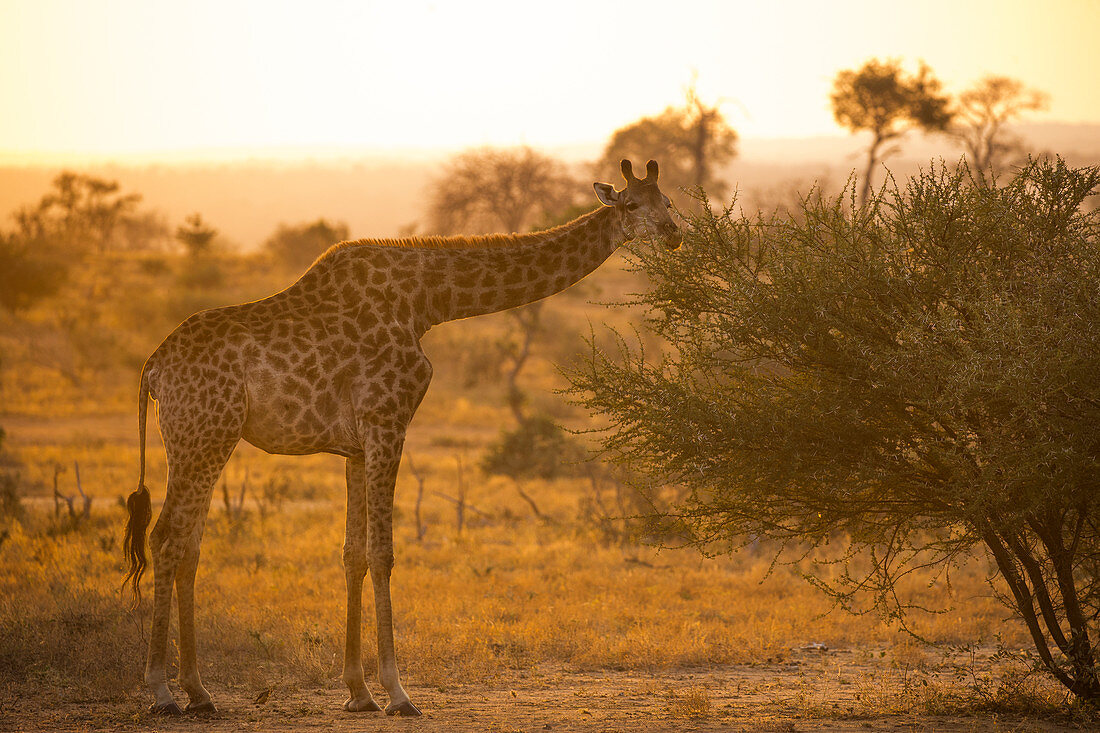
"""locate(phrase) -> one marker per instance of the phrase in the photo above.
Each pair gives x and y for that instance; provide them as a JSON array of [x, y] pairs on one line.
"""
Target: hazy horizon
[[139, 79], [246, 198], [1083, 137]]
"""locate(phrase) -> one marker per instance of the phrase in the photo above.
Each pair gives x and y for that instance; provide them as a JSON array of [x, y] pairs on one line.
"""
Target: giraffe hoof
[[405, 708], [367, 705], [167, 709], [201, 708]]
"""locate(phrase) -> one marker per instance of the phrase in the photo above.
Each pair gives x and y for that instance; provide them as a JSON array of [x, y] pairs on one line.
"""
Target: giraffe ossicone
[[333, 364]]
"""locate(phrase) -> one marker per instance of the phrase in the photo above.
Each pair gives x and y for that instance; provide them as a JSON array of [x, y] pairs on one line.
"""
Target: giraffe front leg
[[380, 488], [355, 570]]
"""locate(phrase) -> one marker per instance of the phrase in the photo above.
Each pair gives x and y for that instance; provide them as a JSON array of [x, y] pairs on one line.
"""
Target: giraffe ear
[[606, 193]]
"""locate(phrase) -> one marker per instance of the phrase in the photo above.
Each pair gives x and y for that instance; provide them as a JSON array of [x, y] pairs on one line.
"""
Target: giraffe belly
[[285, 421]]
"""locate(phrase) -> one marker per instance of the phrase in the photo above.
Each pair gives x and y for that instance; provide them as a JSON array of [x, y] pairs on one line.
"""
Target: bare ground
[[817, 693]]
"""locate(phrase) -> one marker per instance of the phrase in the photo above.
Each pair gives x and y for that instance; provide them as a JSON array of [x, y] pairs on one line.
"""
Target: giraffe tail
[[139, 506]]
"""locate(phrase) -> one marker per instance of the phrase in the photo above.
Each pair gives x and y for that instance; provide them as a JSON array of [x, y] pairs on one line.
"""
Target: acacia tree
[[81, 212], [499, 189], [921, 374], [984, 109], [691, 142], [882, 99]]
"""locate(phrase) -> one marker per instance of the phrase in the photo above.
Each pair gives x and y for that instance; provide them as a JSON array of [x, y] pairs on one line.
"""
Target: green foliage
[[296, 247], [538, 448], [921, 375]]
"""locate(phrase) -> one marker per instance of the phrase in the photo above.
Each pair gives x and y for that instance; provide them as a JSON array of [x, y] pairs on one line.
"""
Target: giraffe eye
[[632, 206]]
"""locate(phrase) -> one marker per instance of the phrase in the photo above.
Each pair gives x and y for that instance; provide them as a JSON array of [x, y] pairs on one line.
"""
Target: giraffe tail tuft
[[139, 506]]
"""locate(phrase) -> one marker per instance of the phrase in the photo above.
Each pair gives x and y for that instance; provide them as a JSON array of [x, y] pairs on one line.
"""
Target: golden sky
[[146, 77]]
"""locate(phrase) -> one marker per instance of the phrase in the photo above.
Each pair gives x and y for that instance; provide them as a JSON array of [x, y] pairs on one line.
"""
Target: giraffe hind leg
[[189, 680], [174, 544]]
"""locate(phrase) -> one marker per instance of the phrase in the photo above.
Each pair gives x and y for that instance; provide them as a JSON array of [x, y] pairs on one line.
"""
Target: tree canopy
[[691, 142], [881, 98], [81, 213], [983, 111], [500, 189], [295, 247], [920, 376]]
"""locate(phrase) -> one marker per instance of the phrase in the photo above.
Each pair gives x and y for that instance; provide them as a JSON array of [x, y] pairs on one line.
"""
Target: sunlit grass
[[500, 597], [507, 596]]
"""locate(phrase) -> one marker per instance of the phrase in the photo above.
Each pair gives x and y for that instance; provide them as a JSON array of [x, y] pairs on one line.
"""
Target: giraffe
[[333, 364]]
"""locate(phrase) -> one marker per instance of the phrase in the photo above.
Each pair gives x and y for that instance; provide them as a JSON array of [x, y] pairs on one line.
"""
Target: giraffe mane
[[480, 241]]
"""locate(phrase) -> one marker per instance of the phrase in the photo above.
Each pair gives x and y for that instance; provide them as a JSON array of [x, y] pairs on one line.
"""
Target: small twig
[[531, 502], [469, 506], [87, 499], [420, 528]]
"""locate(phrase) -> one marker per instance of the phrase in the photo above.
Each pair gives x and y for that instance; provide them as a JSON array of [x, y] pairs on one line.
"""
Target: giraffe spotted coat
[[333, 364]]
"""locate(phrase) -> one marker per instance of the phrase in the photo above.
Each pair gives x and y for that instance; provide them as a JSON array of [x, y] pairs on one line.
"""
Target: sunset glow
[[136, 78]]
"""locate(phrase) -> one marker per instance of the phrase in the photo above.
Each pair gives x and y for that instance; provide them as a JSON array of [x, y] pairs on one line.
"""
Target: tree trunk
[[872, 158]]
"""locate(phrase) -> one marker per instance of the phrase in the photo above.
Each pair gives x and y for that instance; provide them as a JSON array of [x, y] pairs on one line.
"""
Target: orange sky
[[128, 78]]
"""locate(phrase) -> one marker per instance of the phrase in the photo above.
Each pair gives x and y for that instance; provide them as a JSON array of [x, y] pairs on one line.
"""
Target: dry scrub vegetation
[[511, 620]]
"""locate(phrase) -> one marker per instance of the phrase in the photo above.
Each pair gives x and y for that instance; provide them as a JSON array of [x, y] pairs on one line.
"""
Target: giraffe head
[[643, 210]]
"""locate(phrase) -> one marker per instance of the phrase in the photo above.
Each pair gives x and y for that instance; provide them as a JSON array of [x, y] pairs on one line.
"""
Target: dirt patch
[[818, 693]]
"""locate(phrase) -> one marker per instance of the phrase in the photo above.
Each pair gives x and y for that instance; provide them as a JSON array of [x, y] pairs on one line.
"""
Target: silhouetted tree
[[526, 325], [691, 142], [920, 376], [144, 231], [882, 99], [81, 212], [984, 109], [196, 236], [296, 247], [499, 189]]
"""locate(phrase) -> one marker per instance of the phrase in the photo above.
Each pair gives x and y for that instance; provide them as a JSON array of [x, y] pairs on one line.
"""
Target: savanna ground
[[570, 620]]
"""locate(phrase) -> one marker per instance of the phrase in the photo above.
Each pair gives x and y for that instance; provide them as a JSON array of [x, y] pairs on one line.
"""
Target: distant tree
[[144, 231], [920, 376], [499, 189], [80, 213], [196, 236], [983, 111], [524, 329], [296, 247], [30, 271], [882, 99], [537, 448], [691, 142]]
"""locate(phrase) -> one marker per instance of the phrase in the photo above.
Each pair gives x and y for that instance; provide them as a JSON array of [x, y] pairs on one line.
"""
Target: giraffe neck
[[484, 281], [491, 279], [424, 282]]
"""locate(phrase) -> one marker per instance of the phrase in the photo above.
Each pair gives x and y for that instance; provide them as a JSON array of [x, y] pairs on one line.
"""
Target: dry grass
[[503, 596], [510, 602]]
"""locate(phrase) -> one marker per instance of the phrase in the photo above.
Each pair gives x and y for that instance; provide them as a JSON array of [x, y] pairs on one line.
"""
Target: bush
[[538, 448], [921, 375]]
